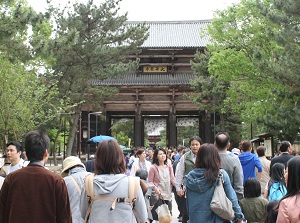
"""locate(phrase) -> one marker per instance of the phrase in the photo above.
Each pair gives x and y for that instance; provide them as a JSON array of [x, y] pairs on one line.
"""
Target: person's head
[[70, 163], [109, 158], [142, 173], [245, 146], [208, 158], [195, 143], [277, 173], [150, 152], [222, 140], [37, 144], [284, 146], [293, 177], [272, 211], [252, 188], [159, 156], [13, 151], [180, 150], [141, 154], [261, 151]]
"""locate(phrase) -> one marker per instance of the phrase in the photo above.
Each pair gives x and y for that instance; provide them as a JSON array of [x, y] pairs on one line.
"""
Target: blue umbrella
[[100, 138]]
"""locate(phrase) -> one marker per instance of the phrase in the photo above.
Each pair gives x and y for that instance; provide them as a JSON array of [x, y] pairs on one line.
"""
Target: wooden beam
[[165, 64], [154, 93], [149, 102], [162, 56]]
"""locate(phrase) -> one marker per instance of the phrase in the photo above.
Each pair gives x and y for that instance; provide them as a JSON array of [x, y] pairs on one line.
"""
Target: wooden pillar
[[172, 136], [138, 125], [172, 133], [207, 128], [138, 130], [104, 124]]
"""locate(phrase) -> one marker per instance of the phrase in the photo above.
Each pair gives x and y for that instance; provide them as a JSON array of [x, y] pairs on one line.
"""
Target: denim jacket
[[199, 194]]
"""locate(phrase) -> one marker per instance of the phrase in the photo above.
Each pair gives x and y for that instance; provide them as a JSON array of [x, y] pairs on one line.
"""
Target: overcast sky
[[158, 10]]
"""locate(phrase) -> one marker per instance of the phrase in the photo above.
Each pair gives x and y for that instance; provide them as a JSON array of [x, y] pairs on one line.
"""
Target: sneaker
[[180, 219]]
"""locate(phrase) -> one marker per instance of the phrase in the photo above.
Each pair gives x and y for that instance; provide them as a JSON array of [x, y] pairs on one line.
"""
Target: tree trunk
[[73, 129]]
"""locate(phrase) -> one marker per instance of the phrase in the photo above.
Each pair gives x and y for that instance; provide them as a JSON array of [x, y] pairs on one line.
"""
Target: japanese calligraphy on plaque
[[155, 69]]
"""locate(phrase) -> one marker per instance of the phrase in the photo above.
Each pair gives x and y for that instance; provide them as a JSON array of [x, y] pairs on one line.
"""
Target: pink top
[[289, 210], [154, 178]]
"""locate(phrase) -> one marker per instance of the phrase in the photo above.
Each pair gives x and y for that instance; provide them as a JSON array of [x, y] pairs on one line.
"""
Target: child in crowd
[[254, 206]]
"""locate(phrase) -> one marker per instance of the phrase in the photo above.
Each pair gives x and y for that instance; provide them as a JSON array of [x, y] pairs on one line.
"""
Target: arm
[[140, 207], [83, 203], [63, 210], [238, 180], [283, 215], [134, 168], [179, 177], [230, 193], [172, 177], [152, 178], [3, 200]]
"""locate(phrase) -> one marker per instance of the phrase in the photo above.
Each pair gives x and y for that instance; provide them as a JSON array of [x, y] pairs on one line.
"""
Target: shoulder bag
[[220, 204]]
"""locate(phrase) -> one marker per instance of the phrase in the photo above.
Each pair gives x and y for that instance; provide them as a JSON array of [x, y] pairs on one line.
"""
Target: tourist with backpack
[[276, 187], [109, 195]]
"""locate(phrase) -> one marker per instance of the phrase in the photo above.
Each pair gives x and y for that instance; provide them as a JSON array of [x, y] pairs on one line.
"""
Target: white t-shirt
[[22, 163]]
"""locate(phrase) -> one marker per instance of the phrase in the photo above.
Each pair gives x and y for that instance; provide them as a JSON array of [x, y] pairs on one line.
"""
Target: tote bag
[[220, 204]]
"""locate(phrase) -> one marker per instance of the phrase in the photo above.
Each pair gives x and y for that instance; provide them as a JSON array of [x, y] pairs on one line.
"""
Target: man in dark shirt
[[285, 156]]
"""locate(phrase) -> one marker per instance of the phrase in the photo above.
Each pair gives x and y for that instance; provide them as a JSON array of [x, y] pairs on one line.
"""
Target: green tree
[[244, 60], [26, 98], [23, 100], [90, 42]]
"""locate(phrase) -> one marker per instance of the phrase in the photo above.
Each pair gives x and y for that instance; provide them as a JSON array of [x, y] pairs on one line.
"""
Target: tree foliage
[[25, 96], [253, 52], [90, 43]]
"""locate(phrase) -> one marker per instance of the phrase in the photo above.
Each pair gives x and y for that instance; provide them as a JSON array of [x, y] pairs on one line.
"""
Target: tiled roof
[[165, 34], [148, 79]]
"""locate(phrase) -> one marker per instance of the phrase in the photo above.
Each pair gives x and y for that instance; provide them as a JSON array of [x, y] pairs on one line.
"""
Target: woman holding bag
[[161, 175], [200, 186]]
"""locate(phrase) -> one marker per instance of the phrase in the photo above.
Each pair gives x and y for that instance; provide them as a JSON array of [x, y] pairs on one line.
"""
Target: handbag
[[163, 213], [160, 211], [220, 204]]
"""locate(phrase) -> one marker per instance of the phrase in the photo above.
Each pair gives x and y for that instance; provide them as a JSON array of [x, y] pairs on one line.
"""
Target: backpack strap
[[76, 184], [89, 187], [133, 187]]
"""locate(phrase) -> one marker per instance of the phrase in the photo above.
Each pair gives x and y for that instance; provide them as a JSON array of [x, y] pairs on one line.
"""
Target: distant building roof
[[165, 34], [148, 79]]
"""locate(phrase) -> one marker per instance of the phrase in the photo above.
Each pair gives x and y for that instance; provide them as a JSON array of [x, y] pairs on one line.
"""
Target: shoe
[[179, 216], [180, 219]]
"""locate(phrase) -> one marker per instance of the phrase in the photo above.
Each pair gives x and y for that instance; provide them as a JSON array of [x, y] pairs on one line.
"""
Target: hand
[[180, 193]]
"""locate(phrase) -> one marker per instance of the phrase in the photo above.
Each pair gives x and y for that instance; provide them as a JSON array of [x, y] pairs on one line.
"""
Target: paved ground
[[175, 211]]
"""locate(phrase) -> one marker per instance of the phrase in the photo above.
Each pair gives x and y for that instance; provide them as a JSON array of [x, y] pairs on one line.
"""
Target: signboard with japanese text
[[155, 69]]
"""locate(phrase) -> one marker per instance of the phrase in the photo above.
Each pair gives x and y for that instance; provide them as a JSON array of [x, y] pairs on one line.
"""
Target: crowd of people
[[130, 188]]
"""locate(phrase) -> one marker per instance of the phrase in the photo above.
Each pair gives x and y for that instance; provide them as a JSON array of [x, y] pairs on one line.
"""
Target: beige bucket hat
[[70, 162]]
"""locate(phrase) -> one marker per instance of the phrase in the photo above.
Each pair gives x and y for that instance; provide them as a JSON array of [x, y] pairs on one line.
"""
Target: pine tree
[[91, 42]]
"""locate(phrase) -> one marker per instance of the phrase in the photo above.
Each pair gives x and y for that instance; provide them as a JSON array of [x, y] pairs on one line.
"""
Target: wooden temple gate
[[160, 86]]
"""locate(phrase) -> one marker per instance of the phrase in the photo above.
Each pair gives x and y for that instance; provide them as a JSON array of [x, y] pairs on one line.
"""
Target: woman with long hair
[[276, 179], [110, 181], [201, 183], [161, 175], [289, 205]]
